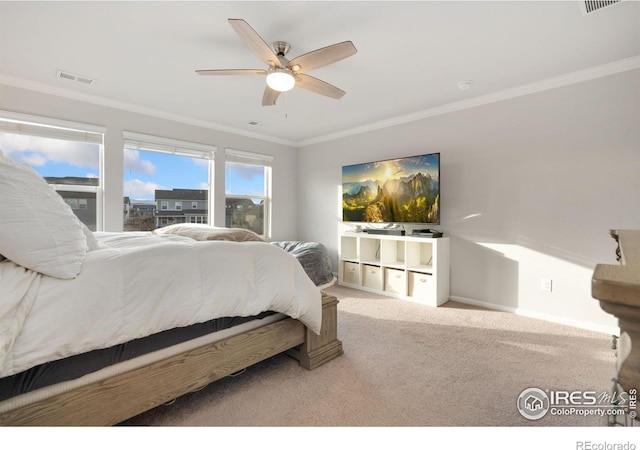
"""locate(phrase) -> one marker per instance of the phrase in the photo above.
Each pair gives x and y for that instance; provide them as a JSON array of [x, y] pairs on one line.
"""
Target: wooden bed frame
[[126, 395]]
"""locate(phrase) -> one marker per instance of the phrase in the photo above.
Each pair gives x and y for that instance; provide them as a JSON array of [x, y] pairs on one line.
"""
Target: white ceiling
[[411, 55]]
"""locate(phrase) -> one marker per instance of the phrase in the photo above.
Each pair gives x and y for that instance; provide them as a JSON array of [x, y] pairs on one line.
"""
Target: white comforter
[[140, 283]]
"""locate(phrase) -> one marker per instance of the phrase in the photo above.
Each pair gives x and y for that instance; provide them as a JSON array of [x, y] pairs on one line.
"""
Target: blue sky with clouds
[[144, 171]]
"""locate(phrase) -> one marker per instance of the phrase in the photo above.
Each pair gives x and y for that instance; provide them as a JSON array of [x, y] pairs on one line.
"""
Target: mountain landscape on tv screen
[[413, 199]]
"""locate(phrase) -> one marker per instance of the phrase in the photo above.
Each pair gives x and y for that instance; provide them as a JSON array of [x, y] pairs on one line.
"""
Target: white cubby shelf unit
[[408, 267]]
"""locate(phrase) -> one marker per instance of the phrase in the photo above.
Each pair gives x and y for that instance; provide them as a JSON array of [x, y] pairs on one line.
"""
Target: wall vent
[[591, 6], [74, 77]]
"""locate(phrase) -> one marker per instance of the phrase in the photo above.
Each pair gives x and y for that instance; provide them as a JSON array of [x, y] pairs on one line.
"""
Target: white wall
[[116, 120], [530, 188]]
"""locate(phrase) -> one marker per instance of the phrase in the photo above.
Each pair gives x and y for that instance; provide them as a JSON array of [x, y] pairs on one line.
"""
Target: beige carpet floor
[[408, 365]]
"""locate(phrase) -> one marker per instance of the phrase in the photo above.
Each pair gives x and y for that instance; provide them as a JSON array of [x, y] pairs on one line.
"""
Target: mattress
[[69, 373]]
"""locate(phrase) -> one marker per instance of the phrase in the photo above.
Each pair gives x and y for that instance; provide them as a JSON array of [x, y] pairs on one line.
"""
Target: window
[[161, 174], [67, 155], [248, 191]]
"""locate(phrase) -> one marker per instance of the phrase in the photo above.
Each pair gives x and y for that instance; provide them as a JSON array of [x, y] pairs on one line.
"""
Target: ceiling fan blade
[[270, 96], [322, 57], [232, 72], [318, 86], [255, 42]]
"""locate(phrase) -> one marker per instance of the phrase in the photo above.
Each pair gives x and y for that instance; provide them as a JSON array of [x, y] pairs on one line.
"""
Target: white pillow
[[38, 230], [196, 231], [203, 232]]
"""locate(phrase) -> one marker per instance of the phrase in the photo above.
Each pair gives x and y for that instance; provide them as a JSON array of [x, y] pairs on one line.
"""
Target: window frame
[[71, 130], [256, 159], [46, 127], [159, 144]]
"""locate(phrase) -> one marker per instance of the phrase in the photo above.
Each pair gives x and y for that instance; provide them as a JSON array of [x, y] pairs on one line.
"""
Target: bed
[[66, 293], [312, 256]]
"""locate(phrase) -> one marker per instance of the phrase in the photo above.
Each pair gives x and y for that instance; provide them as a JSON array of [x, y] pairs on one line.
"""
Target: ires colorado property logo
[[535, 403]]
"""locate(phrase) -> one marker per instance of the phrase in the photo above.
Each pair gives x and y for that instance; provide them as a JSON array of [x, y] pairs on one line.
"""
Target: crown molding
[[130, 107], [579, 76]]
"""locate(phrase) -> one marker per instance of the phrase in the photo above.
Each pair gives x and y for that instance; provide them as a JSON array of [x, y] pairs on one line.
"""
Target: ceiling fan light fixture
[[283, 74], [280, 80]]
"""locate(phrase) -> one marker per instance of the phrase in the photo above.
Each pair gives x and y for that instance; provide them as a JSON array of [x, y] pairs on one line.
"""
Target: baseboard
[[536, 315]]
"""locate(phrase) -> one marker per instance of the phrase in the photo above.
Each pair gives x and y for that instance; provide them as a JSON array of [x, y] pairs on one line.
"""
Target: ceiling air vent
[[74, 77], [591, 6]]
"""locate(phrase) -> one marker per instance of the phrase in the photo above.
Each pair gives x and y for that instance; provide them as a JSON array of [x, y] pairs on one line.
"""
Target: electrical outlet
[[545, 284]]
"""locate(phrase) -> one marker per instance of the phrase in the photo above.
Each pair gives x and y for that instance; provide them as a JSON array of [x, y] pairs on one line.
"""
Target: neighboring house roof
[[77, 181], [181, 194]]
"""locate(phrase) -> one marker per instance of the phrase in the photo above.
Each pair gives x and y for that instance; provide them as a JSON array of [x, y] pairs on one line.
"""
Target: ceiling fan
[[283, 74]]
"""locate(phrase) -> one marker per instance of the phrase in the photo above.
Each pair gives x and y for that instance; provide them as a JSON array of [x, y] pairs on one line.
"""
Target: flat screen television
[[403, 190]]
